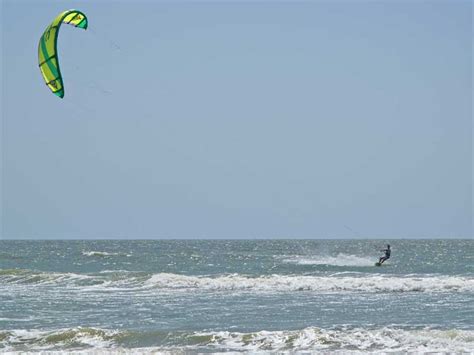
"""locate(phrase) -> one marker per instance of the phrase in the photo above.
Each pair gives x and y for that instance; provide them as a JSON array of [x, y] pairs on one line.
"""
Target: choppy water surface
[[206, 296]]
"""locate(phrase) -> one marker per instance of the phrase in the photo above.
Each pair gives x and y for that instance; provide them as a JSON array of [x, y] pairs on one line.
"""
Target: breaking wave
[[140, 281], [24, 276], [342, 339], [276, 283], [109, 278], [74, 338], [103, 254]]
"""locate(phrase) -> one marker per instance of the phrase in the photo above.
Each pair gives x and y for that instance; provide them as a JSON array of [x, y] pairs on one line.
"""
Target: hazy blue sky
[[240, 119]]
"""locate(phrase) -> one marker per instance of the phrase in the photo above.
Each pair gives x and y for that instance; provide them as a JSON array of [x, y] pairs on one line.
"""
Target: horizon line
[[230, 238]]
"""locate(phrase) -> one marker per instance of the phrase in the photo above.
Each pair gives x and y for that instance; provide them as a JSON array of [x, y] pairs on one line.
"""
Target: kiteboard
[[378, 264]]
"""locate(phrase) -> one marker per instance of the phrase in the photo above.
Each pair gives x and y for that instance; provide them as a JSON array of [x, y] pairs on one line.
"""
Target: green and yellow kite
[[47, 49]]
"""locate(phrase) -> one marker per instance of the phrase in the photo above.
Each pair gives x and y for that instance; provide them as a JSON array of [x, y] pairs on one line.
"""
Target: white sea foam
[[24, 276], [312, 339], [338, 260], [343, 340], [34, 340], [138, 282], [283, 283], [103, 253]]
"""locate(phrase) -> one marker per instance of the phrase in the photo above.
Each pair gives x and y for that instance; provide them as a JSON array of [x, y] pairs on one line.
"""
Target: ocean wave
[[25, 276], [103, 254], [338, 260], [140, 281], [343, 340], [9, 319], [74, 338], [312, 339], [278, 283]]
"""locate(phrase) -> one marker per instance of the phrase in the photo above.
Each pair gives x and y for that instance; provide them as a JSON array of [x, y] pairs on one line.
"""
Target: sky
[[244, 119]]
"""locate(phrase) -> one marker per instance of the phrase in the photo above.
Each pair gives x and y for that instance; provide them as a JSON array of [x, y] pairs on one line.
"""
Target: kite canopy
[[47, 49]]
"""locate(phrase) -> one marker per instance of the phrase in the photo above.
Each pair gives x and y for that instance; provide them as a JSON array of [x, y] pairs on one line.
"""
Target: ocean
[[254, 296]]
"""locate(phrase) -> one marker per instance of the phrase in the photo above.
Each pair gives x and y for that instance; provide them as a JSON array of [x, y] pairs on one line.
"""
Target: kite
[[47, 49]]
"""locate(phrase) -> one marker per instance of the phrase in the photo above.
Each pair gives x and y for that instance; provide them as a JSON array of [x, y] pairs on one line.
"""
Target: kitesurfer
[[387, 254]]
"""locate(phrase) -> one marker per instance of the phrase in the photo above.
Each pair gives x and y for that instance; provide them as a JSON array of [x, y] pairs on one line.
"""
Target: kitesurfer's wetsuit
[[386, 256]]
